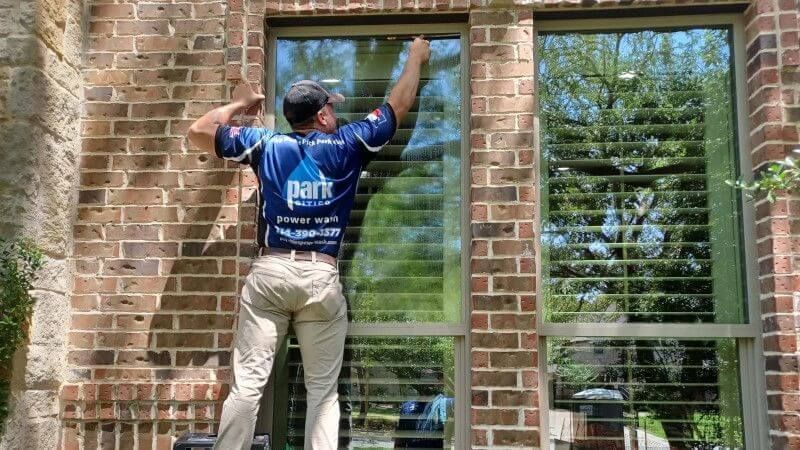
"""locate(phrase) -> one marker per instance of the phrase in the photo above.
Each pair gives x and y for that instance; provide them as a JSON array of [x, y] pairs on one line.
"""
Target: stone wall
[[40, 59]]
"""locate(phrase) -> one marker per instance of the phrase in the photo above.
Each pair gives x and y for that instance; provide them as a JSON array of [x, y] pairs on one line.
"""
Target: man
[[307, 181]]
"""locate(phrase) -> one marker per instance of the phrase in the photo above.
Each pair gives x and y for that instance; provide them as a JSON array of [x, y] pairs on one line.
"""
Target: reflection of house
[[649, 281]]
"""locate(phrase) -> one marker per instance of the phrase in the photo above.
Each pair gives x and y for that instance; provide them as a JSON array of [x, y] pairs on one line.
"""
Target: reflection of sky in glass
[[637, 133], [401, 253]]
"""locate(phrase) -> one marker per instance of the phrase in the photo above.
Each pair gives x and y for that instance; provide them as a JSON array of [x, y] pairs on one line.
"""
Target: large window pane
[[394, 393], [644, 394], [400, 261], [638, 139]]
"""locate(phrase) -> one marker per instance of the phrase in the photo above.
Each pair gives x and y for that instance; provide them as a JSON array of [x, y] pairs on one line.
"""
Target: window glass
[[394, 393], [400, 261], [644, 394], [638, 138]]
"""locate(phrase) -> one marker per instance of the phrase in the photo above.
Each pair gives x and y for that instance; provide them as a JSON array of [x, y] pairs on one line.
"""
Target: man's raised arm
[[405, 91], [204, 129]]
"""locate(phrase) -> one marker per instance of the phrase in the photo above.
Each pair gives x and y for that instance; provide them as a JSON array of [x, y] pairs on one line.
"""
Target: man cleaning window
[[307, 182]]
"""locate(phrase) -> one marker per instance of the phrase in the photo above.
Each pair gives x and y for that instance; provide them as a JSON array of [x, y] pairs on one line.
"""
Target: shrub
[[19, 263]]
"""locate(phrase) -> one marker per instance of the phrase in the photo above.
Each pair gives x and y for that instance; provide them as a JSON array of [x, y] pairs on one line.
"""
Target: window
[[641, 242], [401, 260]]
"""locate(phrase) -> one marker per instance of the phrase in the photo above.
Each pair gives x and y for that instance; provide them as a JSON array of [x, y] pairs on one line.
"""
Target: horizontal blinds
[[661, 393], [638, 225], [400, 259], [393, 393]]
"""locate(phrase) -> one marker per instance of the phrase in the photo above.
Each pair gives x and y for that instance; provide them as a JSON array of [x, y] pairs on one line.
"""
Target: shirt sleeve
[[240, 144], [372, 133]]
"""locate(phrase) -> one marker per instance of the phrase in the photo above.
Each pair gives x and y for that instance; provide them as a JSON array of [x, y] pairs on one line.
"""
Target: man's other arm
[[203, 131], [405, 91]]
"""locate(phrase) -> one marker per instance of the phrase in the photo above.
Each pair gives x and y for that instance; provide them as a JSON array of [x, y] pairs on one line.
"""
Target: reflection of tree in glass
[[633, 128], [625, 138]]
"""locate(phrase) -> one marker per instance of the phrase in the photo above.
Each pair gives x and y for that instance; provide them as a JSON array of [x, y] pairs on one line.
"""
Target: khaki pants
[[279, 290]]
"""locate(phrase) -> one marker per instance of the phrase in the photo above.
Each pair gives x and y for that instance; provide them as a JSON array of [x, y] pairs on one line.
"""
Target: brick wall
[[162, 231], [773, 81], [156, 234]]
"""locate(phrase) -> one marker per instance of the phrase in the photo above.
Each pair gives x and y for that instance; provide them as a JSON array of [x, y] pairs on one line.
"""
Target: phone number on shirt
[[308, 234]]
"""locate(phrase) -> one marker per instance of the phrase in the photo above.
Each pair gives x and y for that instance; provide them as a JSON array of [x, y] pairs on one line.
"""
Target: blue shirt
[[307, 182]]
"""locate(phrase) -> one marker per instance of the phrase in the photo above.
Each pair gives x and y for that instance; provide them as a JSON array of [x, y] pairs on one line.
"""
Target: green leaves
[[778, 176], [19, 263]]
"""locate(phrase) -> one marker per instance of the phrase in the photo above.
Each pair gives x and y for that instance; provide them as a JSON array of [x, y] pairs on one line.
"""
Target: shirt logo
[[307, 186], [376, 116]]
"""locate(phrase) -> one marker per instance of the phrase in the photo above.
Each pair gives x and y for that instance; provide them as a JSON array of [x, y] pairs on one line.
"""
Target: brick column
[[773, 81], [504, 341]]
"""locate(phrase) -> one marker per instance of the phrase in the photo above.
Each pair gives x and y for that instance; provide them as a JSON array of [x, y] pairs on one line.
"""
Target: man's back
[[307, 182]]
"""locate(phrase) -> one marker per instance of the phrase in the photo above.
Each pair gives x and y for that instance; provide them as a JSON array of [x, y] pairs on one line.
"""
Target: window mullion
[[644, 330]]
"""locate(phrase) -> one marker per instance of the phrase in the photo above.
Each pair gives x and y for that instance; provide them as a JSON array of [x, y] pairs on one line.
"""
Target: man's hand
[[405, 91], [245, 96], [204, 129], [420, 50]]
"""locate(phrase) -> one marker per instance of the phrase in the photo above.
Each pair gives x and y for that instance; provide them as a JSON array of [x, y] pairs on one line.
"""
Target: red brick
[[109, 11], [495, 416], [150, 214], [142, 27], [511, 34], [151, 110], [161, 43], [509, 69], [135, 196], [133, 303], [134, 128], [199, 92], [148, 285], [170, 339], [95, 127], [159, 10], [492, 52], [122, 340], [113, 44], [513, 398], [491, 18], [141, 94], [192, 27], [512, 359], [512, 321]]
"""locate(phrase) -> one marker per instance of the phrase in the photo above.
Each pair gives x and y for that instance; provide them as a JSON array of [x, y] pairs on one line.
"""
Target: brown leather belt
[[297, 255]]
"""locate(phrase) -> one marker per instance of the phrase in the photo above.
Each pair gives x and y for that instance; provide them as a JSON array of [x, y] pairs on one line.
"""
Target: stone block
[[54, 276], [50, 17], [34, 95], [46, 366], [20, 51], [51, 315], [45, 213], [31, 434]]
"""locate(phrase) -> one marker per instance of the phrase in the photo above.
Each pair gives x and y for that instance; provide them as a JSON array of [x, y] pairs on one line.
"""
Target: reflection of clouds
[[600, 249], [611, 224], [651, 239]]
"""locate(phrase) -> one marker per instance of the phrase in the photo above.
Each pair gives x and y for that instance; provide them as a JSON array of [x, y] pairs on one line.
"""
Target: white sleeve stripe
[[246, 153], [370, 148]]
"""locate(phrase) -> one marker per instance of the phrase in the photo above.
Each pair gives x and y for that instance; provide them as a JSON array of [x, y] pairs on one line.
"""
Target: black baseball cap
[[304, 99]]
